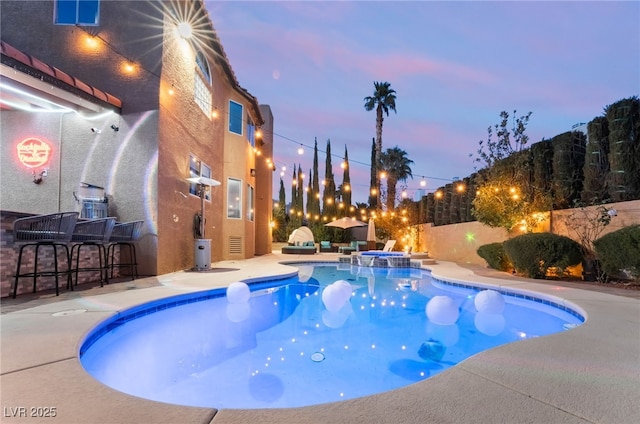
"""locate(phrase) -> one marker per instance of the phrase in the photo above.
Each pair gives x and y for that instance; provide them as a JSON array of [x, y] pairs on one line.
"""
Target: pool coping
[[588, 374]]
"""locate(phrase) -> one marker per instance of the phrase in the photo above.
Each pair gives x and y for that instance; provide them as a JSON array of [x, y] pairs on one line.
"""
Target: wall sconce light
[[253, 172], [184, 30], [96, 130], [115, 128], [37, 177]]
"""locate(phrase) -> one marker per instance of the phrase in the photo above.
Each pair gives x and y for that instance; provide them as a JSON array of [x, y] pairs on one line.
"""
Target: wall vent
[[235, 245]]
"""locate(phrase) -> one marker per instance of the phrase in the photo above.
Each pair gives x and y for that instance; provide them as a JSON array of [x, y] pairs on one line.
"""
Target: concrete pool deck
[[590, 374]]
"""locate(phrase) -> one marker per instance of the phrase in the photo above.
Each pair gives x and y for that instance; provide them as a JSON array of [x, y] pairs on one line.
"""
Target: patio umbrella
[[371, 231], [345, 223]]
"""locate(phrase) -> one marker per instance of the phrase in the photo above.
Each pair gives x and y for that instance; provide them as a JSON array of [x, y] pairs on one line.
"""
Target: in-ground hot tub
[[381, 254]]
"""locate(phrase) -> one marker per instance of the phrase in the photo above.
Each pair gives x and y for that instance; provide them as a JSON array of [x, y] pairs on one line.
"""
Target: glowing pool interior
[[298, 342]]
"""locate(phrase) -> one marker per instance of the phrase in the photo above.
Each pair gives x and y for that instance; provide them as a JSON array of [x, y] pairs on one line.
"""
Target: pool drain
[[317, 357]]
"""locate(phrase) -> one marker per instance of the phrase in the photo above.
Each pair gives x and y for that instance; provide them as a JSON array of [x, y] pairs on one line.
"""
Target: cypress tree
[[300, 194], [346, 182], [624, 149], [596, 163], [329, 196], [568, 162], [294, 194], [310, 196], [315, 190]]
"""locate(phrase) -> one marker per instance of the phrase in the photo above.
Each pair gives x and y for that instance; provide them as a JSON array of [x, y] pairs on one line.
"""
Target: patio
[[588, 374]]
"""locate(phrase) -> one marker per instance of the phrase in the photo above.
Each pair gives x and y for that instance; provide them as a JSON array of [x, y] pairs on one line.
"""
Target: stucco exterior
[[140, 152]]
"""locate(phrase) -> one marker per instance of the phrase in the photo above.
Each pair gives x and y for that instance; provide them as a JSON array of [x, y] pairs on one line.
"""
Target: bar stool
[[52, 230], [92, 233], [124, 235]]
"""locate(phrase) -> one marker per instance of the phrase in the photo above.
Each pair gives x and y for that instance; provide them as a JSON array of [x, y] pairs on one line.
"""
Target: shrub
[[620, 251], [495, 256], [533, 254]]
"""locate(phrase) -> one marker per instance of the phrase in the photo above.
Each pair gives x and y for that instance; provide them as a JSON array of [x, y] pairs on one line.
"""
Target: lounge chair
[[388, 247]]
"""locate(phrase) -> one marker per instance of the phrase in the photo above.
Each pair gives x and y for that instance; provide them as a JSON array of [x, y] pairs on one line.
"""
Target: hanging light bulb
[[423, 183], [300, 150]]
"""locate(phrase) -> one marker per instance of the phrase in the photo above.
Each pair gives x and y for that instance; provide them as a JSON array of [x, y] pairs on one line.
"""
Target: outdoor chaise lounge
[[354, 246], [303, 249], [301, 242]]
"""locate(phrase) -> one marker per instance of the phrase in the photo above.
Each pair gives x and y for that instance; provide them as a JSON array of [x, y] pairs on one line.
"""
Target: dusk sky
[[454, 65]]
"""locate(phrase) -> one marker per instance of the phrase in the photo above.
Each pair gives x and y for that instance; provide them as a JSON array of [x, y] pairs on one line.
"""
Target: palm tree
[[383, 99], [397, 166]]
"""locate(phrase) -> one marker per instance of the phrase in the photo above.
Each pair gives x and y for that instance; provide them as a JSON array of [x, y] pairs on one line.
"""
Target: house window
[[198, 169], [234, 198], [77, 12], [251, 132], [250, 206], [201, 93], [235, 117]]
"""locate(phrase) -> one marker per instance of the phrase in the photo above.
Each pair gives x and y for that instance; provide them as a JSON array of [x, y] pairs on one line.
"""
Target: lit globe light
[[383, 175], [238, 292], [404, 194], [423, 183], [300, 150], [336, 295], [489, 301], [284, 168], [442, 310], [184, 30], [282, 173]]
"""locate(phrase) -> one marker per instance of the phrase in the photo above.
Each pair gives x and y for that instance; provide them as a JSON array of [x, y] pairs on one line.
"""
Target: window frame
[[237, 201], [202, 93], [235, 122], [250, 203], [81, 8], [196, 167]]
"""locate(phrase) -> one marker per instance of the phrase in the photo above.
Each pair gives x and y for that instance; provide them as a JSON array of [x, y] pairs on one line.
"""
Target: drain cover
[[317, 357], [69, 312]]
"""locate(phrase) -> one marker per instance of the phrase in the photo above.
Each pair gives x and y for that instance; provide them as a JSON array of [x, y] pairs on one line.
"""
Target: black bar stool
[[92, 233], [124, 235], [52, 230]]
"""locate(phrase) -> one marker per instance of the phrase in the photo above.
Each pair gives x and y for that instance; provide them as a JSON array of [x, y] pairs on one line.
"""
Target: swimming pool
[[285, 347]]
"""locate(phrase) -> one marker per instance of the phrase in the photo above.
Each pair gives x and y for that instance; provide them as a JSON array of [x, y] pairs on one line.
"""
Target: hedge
[[495, 256], [619, 251], [533, 254]]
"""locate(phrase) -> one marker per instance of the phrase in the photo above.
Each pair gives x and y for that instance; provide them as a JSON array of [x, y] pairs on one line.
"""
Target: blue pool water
[[284, 348]]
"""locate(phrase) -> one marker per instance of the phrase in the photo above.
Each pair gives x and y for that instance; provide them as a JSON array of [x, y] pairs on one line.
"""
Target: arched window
[[201, 92]]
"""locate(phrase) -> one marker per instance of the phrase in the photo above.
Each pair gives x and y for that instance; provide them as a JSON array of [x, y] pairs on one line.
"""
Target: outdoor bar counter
[[9, 251]]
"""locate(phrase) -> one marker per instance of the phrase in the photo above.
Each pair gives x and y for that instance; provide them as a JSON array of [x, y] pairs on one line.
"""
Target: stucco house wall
[[143, 165]]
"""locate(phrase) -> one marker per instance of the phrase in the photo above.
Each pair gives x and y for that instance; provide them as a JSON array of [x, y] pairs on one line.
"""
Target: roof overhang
[[30, 85]]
